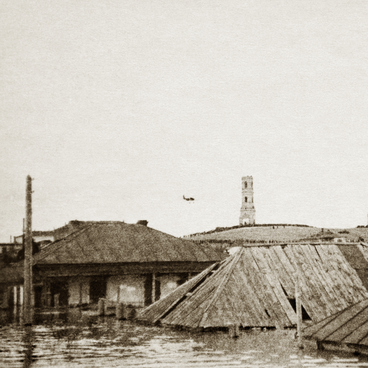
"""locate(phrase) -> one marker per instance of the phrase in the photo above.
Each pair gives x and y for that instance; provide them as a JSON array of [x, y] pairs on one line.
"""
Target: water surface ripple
[[79, 339]]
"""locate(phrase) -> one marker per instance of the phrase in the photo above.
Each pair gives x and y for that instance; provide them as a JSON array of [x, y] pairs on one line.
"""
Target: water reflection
[[79, 339]]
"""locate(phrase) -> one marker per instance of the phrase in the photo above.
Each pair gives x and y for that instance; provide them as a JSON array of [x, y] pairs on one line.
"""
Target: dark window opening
[[157, 289], [245, 199], [184, 277], [305, 315], [245, 184], [148, 289], [38, 296], [97, 289], [59, 293]]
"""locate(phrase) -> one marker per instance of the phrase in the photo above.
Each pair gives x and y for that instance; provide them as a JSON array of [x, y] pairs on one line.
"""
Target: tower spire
[[247, 210]]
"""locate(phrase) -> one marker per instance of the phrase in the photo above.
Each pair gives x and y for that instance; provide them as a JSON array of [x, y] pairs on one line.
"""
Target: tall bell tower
[[247, 210]]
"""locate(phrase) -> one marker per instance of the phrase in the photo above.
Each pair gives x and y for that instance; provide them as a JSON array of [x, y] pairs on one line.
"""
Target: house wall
[[131, 289], [169, 282], [78, 290], [4, 296]]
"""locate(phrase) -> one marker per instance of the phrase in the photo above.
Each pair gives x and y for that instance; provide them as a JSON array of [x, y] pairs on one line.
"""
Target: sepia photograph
[[183, 183]]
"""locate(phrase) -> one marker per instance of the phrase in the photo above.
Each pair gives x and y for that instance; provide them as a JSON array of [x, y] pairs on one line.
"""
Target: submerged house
[[344, 331], [255, 287], [11, 277], [129, 263]]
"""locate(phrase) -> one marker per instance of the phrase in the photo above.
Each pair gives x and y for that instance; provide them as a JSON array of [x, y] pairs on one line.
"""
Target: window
[[245, 199], [245, 184]]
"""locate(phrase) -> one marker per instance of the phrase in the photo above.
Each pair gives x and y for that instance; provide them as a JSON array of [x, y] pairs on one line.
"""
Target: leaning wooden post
[[28, 256], [298, 307], [80, 293], [101, 307], [119, 310], [234, 331], [153, 287]]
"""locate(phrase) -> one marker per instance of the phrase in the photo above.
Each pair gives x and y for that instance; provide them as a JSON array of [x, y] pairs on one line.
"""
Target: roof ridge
[[221, 286]]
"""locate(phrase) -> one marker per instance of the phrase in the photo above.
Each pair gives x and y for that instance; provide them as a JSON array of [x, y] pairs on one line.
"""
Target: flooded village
[[197, 187], [110, 293]]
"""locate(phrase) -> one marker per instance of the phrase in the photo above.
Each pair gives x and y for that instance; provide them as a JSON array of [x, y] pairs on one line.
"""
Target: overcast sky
[[119, 108]]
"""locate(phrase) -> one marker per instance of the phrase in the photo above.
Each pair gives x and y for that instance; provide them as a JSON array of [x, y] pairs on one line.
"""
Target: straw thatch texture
[[255, 287], [117, 242]]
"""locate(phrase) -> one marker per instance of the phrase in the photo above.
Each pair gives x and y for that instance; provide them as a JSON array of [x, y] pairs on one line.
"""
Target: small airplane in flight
[[188, 199]]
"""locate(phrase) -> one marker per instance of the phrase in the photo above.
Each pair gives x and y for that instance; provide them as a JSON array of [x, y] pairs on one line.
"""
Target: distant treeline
[[239, 242], [220, 229]]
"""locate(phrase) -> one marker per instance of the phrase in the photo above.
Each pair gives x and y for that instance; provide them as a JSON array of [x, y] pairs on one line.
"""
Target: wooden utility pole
[[28, 284], [298, 306]]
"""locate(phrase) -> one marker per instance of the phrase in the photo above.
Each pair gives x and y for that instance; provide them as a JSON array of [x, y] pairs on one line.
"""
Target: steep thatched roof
[[256, 287]]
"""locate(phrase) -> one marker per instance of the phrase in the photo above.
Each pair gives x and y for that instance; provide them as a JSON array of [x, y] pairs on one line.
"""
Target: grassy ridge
[[279, 233]]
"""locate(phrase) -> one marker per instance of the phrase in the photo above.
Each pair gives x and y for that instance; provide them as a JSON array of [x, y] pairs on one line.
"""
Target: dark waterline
[[81, 339]]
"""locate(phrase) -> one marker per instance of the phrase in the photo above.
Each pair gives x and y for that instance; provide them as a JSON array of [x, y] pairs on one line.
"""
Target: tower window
[[245, 184], [245, 199]]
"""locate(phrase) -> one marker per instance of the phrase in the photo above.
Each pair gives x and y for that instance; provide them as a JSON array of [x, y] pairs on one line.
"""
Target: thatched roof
[[118, 242], [256, 286]]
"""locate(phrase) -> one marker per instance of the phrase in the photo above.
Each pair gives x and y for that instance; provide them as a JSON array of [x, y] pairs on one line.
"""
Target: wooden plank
[[243, 301], [188, 317], [358, 286], [254, 291], [215, 315], [364, 341], [325, 277], [276, 286], [344, 331], [202, 303], [359, 333], [312, 280], [156, 311], [261, 288], [198, 300], [288, 265], [281, 304], [282, 270], [325, 280], [309, 331], [346, 279], [223, 282], [335, 274], [339, 320], [364, 250], [256, 306], [345, 273], [188, 309], [231, 314], [315, 307]]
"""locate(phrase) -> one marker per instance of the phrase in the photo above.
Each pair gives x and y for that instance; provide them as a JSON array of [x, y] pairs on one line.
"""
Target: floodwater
[[79, 339]]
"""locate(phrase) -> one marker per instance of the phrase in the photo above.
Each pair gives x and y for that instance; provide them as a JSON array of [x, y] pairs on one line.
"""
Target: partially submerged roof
[[256, 287], [347, 327], [118, 242], [357, 256]]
